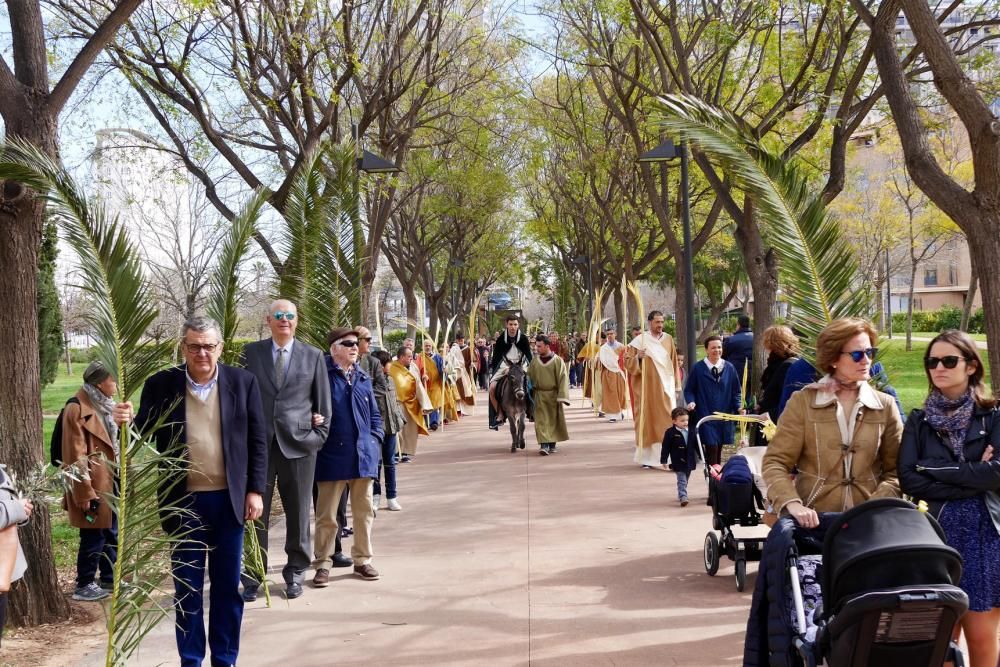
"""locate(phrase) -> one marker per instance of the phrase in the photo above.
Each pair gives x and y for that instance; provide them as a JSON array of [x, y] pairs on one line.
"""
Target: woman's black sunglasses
[[949, 362], [857, 355]]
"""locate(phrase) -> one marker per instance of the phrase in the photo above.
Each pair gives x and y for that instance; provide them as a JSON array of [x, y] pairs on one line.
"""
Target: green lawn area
[[54, 395], [928, 335], [906, 371]]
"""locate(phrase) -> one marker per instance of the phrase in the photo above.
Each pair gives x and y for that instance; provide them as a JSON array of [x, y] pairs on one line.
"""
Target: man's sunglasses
[[284, 315], [949, 362], [857, 355], [347, 343]]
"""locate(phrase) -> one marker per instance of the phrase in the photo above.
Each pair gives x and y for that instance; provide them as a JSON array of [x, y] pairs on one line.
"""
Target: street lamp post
[[664, 153], [584, 260]]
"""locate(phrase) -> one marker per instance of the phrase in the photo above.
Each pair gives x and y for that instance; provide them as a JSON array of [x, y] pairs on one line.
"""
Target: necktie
[[715, 373], [279, 367]]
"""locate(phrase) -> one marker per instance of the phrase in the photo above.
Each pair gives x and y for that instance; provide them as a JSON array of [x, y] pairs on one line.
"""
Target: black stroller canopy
[[884, 543]]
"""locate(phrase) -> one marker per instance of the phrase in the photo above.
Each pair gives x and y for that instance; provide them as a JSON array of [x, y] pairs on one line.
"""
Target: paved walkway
[[581, 558]]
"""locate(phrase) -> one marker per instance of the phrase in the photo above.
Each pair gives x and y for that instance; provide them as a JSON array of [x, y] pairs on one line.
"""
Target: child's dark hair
[[677, 413]]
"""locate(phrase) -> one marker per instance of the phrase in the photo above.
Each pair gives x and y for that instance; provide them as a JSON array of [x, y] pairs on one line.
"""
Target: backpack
[[55, 444]]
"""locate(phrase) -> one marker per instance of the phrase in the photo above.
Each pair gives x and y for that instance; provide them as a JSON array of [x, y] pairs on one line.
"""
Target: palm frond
[[110, 268], [818, 269], [225, 282]]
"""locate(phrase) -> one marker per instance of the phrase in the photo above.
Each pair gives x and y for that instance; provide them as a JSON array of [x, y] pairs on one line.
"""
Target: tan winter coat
[[836, 470], [84, 438]]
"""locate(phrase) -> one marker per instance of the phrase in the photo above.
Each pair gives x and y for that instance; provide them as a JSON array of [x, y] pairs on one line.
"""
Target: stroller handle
[[722, 416]]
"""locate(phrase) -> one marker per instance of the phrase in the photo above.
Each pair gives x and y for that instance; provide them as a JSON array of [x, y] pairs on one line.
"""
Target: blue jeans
[[682, 484], [433, 418], [216, 536], [572, 374], [387, 466], [98, 551]]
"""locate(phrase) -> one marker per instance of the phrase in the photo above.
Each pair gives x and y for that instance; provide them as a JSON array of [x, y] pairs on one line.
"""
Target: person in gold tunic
[[651, 363], [432, 368], [613, 392], [408, 393], [585, 356], [550, 387]]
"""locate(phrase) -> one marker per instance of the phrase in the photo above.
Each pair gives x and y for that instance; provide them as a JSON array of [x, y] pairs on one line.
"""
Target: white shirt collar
[[275, 347], [202, 389], [720, 365]]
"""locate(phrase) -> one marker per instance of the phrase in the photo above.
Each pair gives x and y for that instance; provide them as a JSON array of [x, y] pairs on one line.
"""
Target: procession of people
[[331, 429]]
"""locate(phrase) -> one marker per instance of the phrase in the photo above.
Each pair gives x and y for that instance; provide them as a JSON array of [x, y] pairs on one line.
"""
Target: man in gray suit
[[295, 392]]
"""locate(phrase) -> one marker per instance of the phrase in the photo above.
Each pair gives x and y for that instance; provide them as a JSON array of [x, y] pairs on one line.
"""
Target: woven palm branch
[[818, 269], [224, 286], [110, 269]]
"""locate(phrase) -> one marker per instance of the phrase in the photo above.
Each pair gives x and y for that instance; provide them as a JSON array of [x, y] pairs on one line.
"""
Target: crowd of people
[[328, 428]]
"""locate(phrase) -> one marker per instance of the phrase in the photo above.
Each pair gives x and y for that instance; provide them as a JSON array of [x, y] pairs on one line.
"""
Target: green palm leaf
[[111, 272], [225, 283], [818, 268]]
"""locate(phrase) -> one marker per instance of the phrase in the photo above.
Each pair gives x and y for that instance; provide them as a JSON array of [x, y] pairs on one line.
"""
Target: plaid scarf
[[951, 418]]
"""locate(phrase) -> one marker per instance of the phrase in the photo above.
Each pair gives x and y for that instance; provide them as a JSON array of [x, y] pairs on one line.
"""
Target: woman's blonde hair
[[781, 341], [831, 340]]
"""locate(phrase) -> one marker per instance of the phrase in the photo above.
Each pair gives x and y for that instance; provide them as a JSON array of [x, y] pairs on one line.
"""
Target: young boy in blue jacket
[[679, 450]]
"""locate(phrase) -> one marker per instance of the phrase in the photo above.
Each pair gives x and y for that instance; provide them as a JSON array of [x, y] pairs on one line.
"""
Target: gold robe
[[588, 352], [435, 383], [655, 380], [406, 392], [614, 400]]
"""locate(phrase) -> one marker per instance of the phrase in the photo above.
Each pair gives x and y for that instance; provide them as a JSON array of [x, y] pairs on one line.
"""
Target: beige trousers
[[362, 515], [407, 438]]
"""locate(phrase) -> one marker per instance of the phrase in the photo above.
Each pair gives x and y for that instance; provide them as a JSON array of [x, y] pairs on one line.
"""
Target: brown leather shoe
[[366, 571], [322, 578]]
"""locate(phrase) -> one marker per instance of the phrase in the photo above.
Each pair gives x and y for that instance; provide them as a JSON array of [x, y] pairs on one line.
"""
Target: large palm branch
[[225, 282], [111, 273], [317, 212], [818, 269]]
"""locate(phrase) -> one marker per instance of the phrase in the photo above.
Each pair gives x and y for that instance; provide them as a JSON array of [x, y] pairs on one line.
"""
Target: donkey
[[514, 403]]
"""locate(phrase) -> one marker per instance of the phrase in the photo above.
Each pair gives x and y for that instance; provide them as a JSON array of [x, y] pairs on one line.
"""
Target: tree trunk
[[619, 314], [410, 296], [681, 296], [36, 599], [761, 264], [970, 296], [984, 247], [909, 307]]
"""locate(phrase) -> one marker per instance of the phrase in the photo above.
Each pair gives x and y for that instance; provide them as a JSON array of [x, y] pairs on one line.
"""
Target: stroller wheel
[[712, 554], [741, 574]]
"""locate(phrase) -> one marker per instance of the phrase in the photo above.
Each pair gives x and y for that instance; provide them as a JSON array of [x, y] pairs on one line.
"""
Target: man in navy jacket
[[213, 420], [348, 459], [737, 349]]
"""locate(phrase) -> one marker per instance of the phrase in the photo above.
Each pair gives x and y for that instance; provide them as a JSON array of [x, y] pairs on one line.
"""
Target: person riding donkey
[[512, 347]]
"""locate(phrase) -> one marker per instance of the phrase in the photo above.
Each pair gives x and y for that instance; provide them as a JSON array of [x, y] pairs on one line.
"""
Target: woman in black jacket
[[782, 349], [950, 458]]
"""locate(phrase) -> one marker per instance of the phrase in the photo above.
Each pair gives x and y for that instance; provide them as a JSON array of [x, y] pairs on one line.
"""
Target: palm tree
[[818, 269]]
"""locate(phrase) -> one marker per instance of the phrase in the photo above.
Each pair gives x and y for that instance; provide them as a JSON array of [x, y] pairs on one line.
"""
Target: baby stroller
[[737, 529], [875, 585]]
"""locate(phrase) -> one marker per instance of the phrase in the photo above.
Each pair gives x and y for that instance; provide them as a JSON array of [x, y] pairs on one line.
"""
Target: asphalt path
[[579, 558]]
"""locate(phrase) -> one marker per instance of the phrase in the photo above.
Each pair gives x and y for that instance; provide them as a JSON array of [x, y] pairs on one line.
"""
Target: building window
[[930, 277], [952, 274]]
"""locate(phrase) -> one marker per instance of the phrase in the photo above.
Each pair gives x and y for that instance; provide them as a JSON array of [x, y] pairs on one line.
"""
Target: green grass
[[930, 334], [54, 396], [906, 371], [65, 538]]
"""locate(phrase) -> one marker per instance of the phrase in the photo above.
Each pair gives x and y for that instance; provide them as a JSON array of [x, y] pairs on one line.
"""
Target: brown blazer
[[85, 439], [809, 439]]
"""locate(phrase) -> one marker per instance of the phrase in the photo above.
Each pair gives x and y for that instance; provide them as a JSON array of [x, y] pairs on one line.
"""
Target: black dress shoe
[[250, 593], [293, 590], [340, 560]]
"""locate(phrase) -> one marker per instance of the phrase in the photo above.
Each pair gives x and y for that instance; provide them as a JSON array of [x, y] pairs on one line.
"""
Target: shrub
[[393, 340], [946, 317]]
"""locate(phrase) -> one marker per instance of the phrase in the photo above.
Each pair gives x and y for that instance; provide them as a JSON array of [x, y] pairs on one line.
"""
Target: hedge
[[945, 317]]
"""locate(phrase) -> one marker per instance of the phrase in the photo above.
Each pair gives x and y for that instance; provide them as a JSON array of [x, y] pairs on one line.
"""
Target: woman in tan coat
[[839, 436], [90, 443]]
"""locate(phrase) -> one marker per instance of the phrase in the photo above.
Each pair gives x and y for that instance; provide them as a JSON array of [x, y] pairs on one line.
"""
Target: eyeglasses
[[857, 355], [347, 343], [367, 339], [949, 362], [284, 315], [195, 348]]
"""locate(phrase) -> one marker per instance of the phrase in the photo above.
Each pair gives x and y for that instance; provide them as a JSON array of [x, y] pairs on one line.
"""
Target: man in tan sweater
[[214, 420]]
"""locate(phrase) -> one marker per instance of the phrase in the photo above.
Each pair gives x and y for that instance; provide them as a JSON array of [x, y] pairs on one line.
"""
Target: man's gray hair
[[201, 324]]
